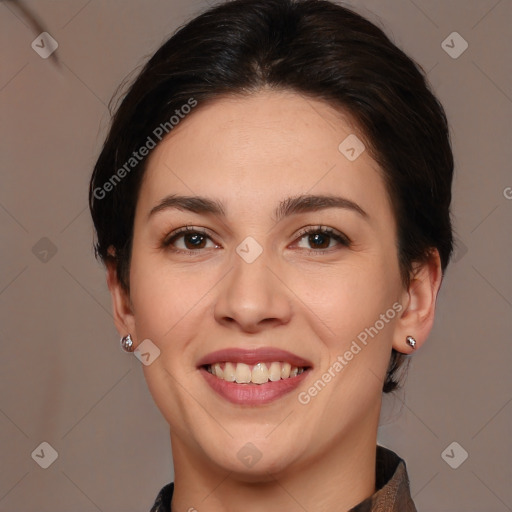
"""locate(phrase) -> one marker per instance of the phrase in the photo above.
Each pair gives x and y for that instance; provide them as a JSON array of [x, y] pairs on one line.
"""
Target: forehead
[[265, 145], [243, 123]]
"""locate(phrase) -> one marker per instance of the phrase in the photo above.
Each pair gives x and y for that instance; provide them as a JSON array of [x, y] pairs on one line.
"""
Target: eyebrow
[[287, 207]]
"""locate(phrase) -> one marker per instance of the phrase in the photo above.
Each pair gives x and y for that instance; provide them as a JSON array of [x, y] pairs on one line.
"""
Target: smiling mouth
[[259, 373]]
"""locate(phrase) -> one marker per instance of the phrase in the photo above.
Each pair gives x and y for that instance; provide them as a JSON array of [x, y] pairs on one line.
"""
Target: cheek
[[346, 299], [164, 296], [169, 300]]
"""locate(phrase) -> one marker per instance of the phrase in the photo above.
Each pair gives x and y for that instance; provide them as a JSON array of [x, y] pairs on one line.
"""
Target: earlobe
[[121, 305], [417, 318]]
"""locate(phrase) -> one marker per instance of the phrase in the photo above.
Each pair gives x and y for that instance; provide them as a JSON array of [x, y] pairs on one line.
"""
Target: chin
[[251, 457]]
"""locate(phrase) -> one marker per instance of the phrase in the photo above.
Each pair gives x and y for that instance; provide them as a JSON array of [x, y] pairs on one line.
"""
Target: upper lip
[[253, 356]]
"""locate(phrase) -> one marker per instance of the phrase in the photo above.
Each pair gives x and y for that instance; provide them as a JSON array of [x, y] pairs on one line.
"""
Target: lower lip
[[252, 394]]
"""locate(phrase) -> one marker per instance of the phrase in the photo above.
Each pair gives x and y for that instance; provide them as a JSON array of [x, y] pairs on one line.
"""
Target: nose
[[253, 297]]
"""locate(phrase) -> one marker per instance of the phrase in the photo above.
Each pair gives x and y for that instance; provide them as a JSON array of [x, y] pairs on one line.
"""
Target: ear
[[124, 319], [419, 304]]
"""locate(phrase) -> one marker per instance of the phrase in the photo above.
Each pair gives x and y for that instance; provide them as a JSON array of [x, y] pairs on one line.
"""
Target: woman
[[272, 206]]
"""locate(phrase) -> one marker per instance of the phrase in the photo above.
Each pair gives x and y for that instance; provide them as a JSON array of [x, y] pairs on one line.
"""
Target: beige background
[[63, 377]]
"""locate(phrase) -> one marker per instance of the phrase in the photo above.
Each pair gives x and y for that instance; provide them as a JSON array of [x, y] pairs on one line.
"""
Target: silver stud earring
[[411, 342], [127, 343]]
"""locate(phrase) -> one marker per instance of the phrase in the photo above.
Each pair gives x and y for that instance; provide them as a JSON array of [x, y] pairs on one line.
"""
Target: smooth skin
[[308, 295]]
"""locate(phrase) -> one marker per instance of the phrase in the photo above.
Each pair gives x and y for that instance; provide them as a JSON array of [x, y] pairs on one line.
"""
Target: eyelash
[[339, 237]]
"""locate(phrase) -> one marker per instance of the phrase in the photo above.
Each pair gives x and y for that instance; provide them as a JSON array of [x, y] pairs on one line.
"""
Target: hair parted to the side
[[313, 47]]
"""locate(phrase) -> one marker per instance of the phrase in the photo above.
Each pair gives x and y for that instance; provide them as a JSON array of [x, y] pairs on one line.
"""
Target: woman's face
[[290, 261]]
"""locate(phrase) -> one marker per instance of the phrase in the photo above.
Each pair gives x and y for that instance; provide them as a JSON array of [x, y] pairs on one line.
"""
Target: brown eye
[[188, 239], [320, 239], [194, 240]]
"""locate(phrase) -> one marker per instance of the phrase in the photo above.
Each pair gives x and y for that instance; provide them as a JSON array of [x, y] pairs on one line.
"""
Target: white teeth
[[217, 370], [243, 373], [229, 372], [260, 373], [274, 372]]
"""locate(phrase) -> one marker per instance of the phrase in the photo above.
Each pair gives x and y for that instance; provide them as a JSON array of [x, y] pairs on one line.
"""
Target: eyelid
[[168, 239], [334, 233], [343, 239], [184, 229]]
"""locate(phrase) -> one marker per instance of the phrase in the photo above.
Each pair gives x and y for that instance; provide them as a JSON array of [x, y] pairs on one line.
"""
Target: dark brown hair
[[313, 47]]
